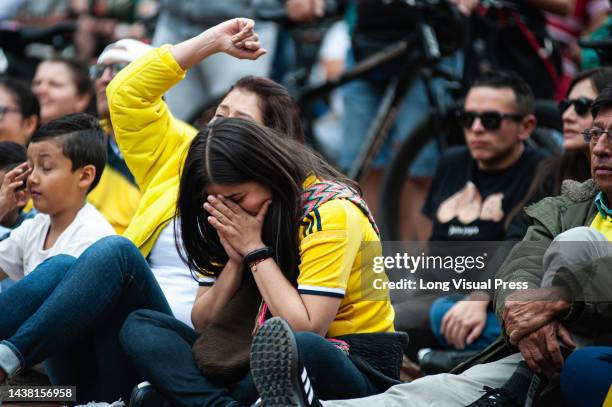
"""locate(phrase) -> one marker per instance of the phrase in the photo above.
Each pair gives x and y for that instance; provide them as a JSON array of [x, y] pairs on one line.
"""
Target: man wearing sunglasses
[[476, 185], [474, 189], [117, 195]]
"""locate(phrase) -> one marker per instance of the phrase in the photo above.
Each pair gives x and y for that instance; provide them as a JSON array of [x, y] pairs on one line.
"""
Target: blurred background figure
[[19, 111], [180, 20], [62, 86], [584, 17], [101, 22], [117, 196]]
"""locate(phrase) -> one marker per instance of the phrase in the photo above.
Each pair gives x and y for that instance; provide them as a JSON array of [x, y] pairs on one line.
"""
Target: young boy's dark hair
[[82, 139], [11, 155]]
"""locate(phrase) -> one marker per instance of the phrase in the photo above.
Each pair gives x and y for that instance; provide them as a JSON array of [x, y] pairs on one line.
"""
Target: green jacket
[[550, 217]]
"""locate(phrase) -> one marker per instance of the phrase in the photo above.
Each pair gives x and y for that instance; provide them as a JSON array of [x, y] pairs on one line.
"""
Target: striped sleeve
[[328, 247]]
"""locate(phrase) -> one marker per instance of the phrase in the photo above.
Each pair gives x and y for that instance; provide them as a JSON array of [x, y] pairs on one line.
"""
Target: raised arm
[[234, 37], [146, 131]]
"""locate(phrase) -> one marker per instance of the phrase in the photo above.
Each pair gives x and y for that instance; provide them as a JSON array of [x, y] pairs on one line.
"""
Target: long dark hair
[[576, 165], [234, 151]]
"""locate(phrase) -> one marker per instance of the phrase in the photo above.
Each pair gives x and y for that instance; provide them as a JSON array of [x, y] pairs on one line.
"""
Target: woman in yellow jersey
[[269, 229]]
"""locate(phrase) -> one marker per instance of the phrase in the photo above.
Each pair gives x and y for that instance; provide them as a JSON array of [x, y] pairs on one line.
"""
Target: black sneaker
[[144, 395], [442, 361], [279, 375]]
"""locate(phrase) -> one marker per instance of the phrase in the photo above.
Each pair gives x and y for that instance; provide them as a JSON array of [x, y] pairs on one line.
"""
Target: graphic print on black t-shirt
[[465, 203]]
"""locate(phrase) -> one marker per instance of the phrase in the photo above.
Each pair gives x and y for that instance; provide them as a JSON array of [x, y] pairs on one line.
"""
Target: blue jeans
[[361, 100], [69, 312], [442, 305], [160, 349], [586, 377]]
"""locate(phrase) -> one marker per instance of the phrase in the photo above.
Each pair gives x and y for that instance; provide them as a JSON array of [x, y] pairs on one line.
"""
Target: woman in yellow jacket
[[154, 143], [269, 229]]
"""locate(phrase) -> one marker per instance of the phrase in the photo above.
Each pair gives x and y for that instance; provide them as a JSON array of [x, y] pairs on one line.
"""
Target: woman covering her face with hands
[[262, 211]]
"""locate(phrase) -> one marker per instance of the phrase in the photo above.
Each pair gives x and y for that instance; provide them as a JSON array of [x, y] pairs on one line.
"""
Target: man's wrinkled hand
[[541, 348], [528, 310]]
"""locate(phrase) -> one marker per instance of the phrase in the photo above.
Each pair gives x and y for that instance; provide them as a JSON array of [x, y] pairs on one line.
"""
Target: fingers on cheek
[[214, 222]]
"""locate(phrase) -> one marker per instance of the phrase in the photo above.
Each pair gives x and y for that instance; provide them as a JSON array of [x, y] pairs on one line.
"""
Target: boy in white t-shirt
[[66, 158]]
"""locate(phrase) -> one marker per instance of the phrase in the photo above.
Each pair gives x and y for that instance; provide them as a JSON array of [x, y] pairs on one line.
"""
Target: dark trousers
[[159, 347]]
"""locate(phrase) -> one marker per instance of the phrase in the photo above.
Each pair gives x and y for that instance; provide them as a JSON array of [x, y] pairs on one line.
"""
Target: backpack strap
[[323, 191]]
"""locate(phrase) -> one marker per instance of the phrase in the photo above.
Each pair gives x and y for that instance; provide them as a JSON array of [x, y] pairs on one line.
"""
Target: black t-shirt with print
[[468, 204]]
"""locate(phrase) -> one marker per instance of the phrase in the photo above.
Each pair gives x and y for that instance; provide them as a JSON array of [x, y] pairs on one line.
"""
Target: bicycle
[[416, 53]]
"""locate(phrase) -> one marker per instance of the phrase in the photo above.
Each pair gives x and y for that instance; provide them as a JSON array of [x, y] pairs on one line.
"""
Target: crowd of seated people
[[145, 260]]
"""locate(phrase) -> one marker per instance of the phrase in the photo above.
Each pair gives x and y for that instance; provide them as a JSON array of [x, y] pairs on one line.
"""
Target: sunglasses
[[96, 71], [490, 120], [582, 105]]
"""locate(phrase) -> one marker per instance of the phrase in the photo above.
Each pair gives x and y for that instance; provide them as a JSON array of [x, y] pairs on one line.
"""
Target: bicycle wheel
[[395, 176]]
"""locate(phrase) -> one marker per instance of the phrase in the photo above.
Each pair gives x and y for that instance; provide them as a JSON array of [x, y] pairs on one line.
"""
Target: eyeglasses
[[5, 109], [491, 120], [593, 134], [582, 105], [96, 71]]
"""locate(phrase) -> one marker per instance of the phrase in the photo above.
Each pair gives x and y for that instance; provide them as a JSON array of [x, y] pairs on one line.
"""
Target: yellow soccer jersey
[[603, 225], [116, 198], [332, 256]]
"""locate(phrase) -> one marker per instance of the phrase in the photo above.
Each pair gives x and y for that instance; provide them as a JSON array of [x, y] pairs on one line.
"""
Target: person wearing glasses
[[19, 111], [117, 196], [475, 187], [574, 162]]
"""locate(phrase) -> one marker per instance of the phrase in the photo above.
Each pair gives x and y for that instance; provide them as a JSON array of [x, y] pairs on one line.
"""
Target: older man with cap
[[117, 195]]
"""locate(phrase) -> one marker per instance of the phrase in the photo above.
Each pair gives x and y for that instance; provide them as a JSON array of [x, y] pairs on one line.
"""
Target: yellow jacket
[[154, 143], [115, 196]]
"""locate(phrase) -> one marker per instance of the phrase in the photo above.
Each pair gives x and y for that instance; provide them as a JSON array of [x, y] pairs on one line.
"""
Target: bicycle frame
[[414, 53], [427, 52]]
